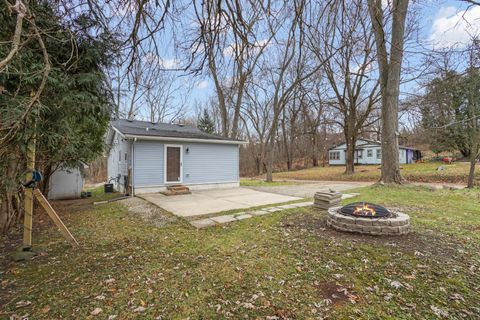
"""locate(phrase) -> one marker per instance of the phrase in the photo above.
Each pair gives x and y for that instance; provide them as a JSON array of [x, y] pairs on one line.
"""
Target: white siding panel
[[116, 164]]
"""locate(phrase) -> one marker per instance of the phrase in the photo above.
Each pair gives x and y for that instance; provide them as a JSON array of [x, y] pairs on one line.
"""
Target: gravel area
[[148, 212]]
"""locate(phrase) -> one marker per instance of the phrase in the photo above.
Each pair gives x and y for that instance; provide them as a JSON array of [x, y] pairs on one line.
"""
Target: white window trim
[[165, 146]]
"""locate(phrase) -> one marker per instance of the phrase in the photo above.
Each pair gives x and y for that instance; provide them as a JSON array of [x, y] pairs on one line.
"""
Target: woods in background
[[291, 77]]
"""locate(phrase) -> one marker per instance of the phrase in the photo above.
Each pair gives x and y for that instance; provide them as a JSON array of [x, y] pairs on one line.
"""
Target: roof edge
[[160, 138]]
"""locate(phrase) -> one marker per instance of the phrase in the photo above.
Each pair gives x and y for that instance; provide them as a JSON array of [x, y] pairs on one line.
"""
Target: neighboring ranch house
[[370, 152], [147, 157]]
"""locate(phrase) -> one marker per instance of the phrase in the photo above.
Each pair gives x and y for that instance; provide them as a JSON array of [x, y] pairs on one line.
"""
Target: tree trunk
[[315, 150], [390, 70], [46, 179], [270, 150], [350, 158], [390, 161], [351, 141], [471, 174], [10, 199]]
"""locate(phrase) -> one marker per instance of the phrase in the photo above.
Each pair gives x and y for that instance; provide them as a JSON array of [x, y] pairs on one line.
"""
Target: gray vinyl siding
[[148, 163], [203, 163], [210, 163]]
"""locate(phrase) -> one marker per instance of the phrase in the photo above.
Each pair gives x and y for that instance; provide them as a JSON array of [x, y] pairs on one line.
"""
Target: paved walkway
[[204, 202], [210, 222], [307, 190], [217, 220]]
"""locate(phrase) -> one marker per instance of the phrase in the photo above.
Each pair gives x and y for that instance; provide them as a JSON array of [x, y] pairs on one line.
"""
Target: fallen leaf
[[96, 311], [23, 303], [139, 309], [439, 312]]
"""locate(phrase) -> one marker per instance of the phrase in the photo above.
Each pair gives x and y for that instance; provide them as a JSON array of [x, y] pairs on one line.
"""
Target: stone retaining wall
[[398, 225]]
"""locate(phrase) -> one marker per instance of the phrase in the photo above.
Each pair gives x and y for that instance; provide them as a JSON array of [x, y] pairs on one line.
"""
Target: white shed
[[66, 183]]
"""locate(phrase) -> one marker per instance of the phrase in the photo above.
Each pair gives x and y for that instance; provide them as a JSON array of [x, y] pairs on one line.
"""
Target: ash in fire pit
[[363, 209]]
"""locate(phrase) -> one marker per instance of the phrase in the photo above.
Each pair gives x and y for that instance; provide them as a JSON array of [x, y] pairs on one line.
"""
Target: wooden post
[[28, 201], [54, 216]]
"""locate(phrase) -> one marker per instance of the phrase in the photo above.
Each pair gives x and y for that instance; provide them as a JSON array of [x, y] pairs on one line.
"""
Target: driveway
[[205, 202], [307, 190]]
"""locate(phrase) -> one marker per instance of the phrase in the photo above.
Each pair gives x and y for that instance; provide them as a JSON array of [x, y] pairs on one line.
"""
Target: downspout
[[133, 166]]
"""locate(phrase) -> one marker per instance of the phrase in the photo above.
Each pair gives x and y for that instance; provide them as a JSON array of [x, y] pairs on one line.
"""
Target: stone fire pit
[[354, 218]]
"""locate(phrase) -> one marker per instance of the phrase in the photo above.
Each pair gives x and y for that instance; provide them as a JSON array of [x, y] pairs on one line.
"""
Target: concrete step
[[176, 190]]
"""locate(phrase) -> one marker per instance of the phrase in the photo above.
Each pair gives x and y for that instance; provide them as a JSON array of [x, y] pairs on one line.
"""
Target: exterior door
[[173, 164]]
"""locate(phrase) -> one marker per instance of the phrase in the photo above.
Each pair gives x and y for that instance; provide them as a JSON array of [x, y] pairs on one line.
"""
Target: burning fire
[[364, 210]]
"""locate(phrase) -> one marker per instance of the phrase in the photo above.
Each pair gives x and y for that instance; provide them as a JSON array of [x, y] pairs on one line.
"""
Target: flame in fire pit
[[364, 210]]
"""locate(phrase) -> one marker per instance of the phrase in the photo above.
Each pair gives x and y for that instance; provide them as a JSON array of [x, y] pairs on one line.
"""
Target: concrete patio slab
[[307, 190], [205, 202]]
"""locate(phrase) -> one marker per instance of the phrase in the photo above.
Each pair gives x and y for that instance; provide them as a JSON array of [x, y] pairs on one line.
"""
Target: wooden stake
[[54, 216], [28, 201]]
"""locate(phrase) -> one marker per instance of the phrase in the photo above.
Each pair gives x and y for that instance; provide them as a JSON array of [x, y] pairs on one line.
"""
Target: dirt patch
[[148, 212], [426, 242], [335, 294]]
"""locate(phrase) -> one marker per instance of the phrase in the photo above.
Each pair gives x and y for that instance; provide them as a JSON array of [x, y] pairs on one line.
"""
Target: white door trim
[[165, 146]]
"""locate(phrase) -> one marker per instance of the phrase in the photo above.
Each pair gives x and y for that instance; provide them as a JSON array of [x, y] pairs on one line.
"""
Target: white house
[[369, 152], [147, 157]]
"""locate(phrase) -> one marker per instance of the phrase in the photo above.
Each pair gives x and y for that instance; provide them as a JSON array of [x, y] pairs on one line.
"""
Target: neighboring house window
[[379, 153], [119, 155], [125, 156], [359, 154], [335, 155], [369, 153]]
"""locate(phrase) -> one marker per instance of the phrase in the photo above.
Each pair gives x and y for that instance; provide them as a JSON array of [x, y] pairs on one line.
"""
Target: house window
[[379, 153], [125, 156], [359, 154], [369, 153], [334, 155], [119, 155]]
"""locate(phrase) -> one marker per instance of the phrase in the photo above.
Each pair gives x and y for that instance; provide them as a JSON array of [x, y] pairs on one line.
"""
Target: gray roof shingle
[[168, 130]]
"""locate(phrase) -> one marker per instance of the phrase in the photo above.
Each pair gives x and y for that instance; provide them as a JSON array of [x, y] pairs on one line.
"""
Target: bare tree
[[390, 65], [344, 44], [230, 34]]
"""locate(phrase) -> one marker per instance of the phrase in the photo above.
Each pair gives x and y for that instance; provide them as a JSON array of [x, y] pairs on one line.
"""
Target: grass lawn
[[416, 172], [280, 266], [262, 183]]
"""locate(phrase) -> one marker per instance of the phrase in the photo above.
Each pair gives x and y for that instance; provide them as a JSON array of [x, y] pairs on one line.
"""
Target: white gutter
[[156, 138], [118, 131]]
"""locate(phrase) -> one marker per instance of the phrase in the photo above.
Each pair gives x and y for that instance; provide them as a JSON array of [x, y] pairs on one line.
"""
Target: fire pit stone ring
[[397, 223]]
